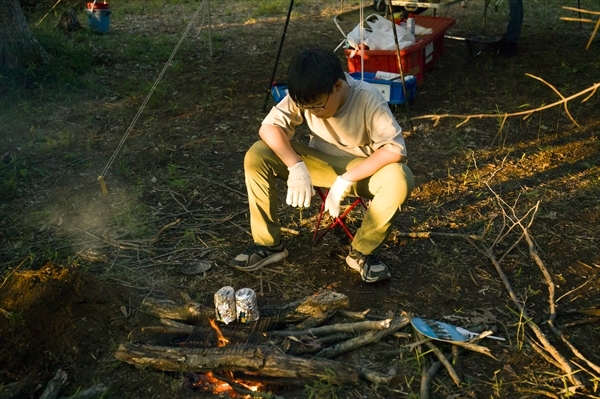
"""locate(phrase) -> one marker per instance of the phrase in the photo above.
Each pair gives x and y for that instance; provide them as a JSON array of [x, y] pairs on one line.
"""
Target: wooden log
[[314, 321], [263, 360], [168, 330], [191, 312], [294, 312]]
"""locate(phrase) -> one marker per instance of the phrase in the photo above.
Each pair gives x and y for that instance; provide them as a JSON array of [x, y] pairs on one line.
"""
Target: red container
[[415, 59], [99, 5], [383, 60]]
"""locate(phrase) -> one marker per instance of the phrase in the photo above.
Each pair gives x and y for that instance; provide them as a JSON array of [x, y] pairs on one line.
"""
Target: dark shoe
[[258, 256], [371, 269]]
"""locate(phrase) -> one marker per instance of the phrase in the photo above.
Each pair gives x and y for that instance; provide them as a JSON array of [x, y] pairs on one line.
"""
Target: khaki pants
[[388, 188]]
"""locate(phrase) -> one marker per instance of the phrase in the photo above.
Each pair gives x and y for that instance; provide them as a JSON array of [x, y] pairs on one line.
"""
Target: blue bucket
[[98, 15]]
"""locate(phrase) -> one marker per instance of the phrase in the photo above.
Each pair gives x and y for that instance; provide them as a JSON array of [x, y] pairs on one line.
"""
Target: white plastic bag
[[380, 35]]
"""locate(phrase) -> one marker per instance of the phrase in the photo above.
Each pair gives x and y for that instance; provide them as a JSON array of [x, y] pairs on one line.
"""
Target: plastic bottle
[[410, 24]]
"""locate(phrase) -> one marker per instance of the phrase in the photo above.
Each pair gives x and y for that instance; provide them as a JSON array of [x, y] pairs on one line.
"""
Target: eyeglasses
[[314, 108]]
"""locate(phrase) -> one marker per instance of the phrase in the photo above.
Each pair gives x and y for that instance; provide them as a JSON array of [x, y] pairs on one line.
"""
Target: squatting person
[[356, 148]]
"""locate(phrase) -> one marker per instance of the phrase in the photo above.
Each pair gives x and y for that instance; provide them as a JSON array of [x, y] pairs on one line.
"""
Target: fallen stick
[[293, 346], [402, 335], [426, 377], [168, 330], [565, 364], [538, 349], [91, 393], [361, 315], [12, 390], [429, 234], [54, 385], [475, 348], [581, 322], [445, 362], [551, 293], [176, 324], [414, 345], [376, 377], [537, 392], [365, 339], [335, 328]]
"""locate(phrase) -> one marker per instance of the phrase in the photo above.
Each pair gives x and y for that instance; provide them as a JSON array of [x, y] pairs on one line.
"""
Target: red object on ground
[[99, 5], [415, 59]]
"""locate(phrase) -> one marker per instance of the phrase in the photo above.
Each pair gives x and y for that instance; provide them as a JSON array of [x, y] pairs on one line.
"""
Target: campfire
[[224, 382], [221, 383], [289, 344], [255, 348]]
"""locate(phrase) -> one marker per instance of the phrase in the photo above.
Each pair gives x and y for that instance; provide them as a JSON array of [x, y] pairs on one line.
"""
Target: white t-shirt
[[362, 125]]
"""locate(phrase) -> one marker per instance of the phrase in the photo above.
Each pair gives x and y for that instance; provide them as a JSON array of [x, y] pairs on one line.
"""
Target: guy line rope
[[156, 82]]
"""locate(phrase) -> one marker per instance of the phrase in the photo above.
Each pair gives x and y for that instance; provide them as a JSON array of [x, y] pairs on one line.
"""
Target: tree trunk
[[18, 46]]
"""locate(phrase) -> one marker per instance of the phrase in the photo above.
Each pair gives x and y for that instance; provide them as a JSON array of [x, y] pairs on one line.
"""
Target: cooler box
[[415, 59], [392, 91], [278, 91]]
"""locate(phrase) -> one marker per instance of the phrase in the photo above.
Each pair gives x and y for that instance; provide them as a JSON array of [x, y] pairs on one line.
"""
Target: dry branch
[[564, 100], [566, 366], [582, 11], [294, 346], [360, 315], [93, 392], [365, 339], [537, 392], [375, 377], [551, 292], [513, 222], [55, 385], [168, 330], [445, 362], [335, 328], [475, 348], [429, 234], [426, 377]]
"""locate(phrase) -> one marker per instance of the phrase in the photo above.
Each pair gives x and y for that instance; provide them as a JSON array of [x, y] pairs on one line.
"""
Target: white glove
[[336, 194], [300, 187]]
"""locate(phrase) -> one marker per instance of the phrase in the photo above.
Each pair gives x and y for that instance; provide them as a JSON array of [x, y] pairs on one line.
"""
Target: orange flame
[[221, 340], [209, 382]]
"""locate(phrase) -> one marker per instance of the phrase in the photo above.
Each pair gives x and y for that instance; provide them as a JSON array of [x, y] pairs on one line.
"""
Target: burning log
[[263, 360]]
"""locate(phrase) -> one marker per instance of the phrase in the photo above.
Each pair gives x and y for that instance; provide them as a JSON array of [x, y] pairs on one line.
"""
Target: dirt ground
[[77, 263]]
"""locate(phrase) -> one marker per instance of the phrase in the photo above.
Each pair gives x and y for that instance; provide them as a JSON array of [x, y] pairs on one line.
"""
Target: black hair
[[313, 73]]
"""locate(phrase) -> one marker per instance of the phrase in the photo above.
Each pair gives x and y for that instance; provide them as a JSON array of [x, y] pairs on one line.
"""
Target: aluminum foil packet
[[246, 305], [225, 307]]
